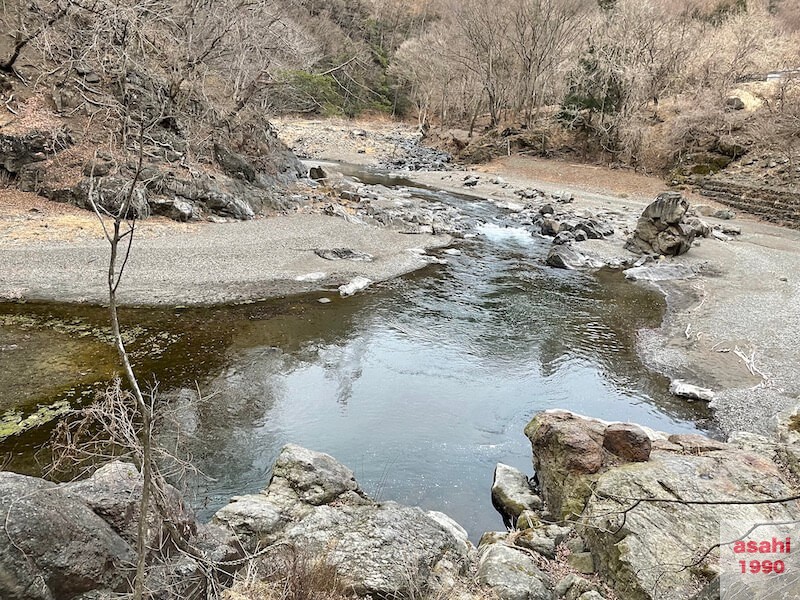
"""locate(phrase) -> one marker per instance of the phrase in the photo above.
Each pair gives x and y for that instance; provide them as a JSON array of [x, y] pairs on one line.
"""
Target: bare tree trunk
[[145, 409]]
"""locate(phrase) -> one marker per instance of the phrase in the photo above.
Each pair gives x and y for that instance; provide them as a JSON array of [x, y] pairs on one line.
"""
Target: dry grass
[[289, 574]]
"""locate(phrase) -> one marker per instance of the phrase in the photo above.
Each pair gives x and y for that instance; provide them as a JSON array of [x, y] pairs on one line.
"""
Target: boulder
[[532, 539], [699, 227], [511, 574], [547, 209], [53, 546], [308, 477], [566, 257], [565, 237], [512, 493], [316, 173], [627, 441], [594, 230], [573, 586], [659, 272], [678, 387], [114, 492], [734, 103], [565, 447], [301, 480], [582, 562], [550, 227], [387, 550], [313, 508], [661, 230], [255, 519]]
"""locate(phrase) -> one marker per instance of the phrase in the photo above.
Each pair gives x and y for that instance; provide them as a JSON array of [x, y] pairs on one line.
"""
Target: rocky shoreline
[[612, 511]]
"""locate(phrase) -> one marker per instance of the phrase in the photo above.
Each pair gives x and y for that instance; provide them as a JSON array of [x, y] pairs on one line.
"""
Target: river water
[[420, 385]]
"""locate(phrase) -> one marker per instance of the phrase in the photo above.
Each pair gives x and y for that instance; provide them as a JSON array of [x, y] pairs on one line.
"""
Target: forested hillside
[[675, 87]]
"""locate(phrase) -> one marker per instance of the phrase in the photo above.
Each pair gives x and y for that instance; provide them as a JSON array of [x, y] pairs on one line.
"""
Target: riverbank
[[59, 254]]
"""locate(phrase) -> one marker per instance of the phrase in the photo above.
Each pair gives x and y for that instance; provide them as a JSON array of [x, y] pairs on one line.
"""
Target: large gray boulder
[[386, 550], [511, 574], [643, 547], [564, 256], [114, 493], [308, 477], [254, 518], [313, 508], [661, 230], [302, 480], [53, 546]]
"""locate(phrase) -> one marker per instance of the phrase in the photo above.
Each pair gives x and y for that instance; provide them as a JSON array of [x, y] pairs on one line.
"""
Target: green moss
[[14, 422]]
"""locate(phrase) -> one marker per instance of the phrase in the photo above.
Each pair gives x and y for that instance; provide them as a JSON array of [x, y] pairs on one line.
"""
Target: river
[[420, 385]]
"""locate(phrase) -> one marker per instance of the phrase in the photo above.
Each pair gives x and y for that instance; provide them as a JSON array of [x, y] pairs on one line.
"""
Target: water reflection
[[420, 385]]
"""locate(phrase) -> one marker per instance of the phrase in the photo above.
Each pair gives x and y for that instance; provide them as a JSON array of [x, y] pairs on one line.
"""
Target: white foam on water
[[496, 233]]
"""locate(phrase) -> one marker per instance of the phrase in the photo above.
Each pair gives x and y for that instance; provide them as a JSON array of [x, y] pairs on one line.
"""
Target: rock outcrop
[[609, 479], [662, 230], [313, 506]]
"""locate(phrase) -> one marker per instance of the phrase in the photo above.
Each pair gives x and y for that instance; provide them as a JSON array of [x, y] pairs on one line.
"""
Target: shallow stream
[[421, 384]]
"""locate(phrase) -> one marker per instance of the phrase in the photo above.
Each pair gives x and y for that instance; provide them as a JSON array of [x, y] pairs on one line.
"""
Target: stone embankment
[[614, 511], [777, 205]]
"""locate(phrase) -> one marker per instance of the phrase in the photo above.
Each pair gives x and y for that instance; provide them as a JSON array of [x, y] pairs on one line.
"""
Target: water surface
[[421, 385]]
